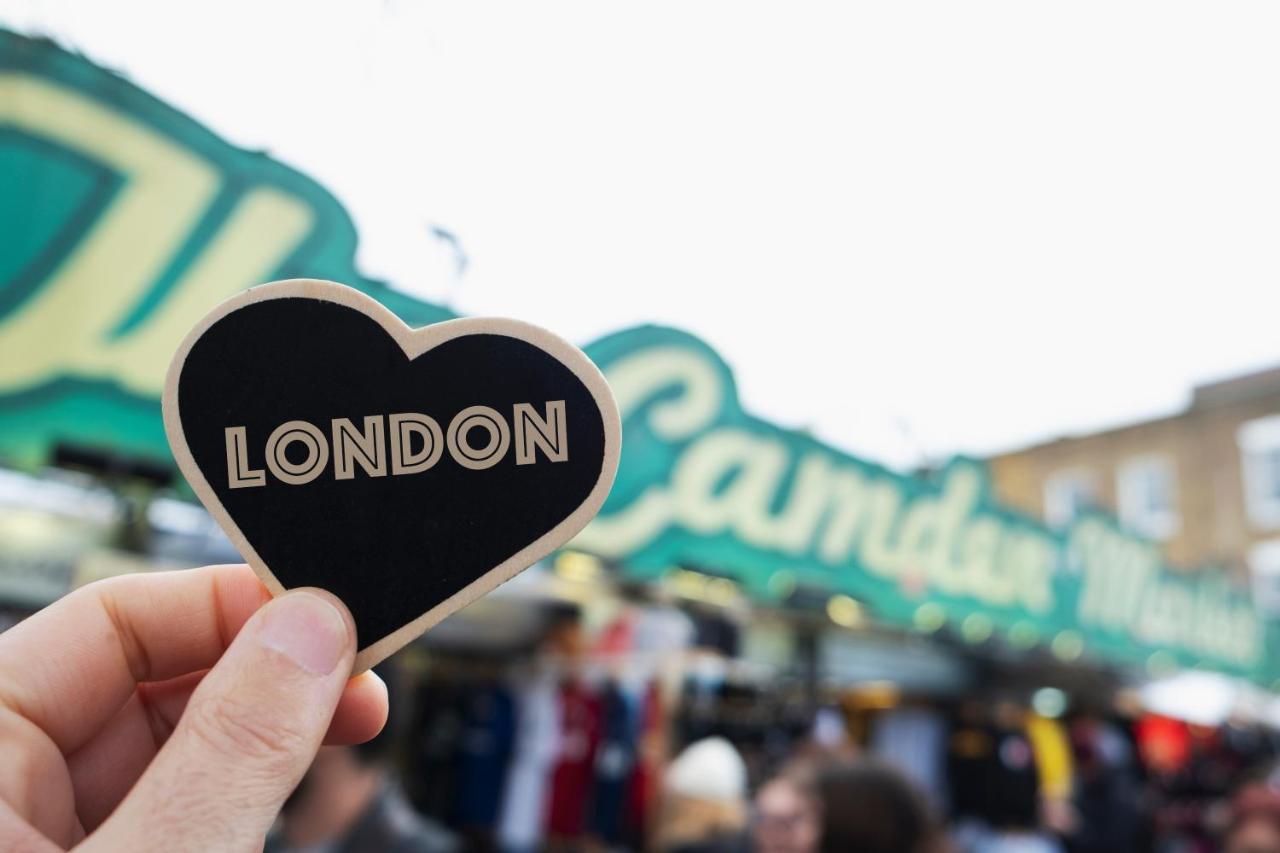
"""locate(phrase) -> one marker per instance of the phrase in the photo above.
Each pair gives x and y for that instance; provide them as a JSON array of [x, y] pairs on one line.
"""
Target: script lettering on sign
[[805, 502], [707, 485], [146, 221]]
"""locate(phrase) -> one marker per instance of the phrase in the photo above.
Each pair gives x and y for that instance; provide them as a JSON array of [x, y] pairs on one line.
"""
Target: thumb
[[247, 736]]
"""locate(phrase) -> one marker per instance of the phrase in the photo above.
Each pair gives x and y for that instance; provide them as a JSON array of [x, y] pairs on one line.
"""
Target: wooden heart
[[407, 471]]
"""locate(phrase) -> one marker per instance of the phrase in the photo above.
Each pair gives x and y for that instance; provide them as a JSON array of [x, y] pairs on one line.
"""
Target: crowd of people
[[1008, 781], [848, 800], [350, 803], [559, 758], [583, 748]]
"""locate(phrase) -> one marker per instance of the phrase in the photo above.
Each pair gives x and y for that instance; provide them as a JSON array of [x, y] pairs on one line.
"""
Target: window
[[1264, 565], [1260, 463], [1147, 494], [1066, 494]]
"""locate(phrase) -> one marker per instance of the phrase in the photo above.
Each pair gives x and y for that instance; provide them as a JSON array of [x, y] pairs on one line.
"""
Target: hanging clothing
[[488, 739], [645, 784], [431, 781], [1014, 781], [524, 802], [1052, 750], [970, 753], [574, 769], [615, 760], [992, 776], [1164, 743], [1108, 790], [913, 740]]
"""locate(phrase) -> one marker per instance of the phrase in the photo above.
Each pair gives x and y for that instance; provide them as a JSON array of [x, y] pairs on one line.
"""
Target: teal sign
[[703, 484], [123, 222]]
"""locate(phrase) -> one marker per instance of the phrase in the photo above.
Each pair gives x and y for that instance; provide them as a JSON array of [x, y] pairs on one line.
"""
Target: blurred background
[[945, 337]]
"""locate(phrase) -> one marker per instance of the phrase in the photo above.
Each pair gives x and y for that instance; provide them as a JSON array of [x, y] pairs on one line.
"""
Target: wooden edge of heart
[[414, 342]]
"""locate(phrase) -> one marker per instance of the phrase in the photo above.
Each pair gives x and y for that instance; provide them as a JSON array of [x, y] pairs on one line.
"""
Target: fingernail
[[306, 629]]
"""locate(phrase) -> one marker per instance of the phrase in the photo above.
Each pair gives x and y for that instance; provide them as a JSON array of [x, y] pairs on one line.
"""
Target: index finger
[[70, 667]]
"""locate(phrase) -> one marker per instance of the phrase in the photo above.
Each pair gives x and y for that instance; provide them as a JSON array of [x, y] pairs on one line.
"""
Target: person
[[788, 817], [704, 806], [872, 808], [1254, 821], [172, 711], [351, 802], [1108, 792]]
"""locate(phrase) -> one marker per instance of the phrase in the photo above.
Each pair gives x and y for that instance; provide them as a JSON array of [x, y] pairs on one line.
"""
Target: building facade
[[1204, 482]]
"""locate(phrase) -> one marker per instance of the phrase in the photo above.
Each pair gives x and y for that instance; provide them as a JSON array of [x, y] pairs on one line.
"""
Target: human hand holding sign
[[172, 711], [408, 471]]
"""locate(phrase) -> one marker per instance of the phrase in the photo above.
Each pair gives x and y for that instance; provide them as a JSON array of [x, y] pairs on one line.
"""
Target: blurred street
[[895, 560]]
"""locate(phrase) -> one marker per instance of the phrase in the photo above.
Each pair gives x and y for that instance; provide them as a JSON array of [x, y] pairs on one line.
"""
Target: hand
[[172, 711]]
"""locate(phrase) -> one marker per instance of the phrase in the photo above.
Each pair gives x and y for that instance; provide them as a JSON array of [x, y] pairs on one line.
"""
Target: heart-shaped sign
[[407, 471]]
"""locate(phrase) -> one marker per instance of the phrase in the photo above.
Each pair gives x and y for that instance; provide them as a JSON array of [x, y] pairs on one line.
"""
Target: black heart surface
[[341, 449]]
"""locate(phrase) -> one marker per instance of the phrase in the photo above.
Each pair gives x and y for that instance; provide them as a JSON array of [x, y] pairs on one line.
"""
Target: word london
[[367, 447]]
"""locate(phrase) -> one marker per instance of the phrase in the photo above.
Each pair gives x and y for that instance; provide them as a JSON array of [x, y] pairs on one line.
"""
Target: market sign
[[123, 222], [1131, 606], [703, 484]]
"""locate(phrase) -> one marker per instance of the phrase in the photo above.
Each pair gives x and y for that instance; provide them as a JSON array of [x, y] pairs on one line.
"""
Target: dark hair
[[801, 774], [1255, 801], [871, 808]]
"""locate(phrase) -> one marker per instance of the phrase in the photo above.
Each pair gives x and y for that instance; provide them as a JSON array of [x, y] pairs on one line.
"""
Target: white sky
[[990, 222]]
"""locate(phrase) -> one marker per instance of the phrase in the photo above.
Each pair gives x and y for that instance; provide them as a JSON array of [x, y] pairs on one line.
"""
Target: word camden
[[415, 443]]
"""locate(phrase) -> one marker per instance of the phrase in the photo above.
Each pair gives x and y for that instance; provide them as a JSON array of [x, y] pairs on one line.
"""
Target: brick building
[[1205, 482]]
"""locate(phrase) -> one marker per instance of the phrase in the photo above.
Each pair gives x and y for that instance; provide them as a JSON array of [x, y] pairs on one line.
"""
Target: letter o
[[311, 437], [478, 458]]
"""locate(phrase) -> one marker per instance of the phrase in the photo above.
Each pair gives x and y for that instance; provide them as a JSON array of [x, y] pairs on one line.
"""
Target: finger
[[361, 712], [34, 785], [104, 769], [249, 732], [360, 715], [19, 836], [81, 658]]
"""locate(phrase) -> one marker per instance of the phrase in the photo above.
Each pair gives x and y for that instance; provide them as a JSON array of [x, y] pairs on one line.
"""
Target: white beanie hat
[[709, 769]]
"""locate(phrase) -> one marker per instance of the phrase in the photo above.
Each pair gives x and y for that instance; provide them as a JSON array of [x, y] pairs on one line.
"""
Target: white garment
[[973, 836], [913, 740], [710, 769], [1018, 842], [537, 745]]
